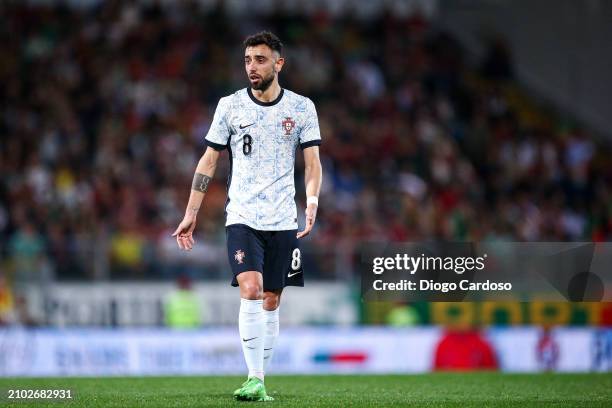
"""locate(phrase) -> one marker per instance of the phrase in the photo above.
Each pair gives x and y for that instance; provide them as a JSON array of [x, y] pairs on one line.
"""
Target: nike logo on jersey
[[245, 126], [252, 338], [293, 274]]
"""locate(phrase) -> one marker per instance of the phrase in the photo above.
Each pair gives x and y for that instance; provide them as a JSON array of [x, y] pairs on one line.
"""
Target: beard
[[264, 83]]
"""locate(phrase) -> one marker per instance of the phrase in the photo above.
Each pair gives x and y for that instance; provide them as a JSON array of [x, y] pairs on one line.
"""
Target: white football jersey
[[262, 138]]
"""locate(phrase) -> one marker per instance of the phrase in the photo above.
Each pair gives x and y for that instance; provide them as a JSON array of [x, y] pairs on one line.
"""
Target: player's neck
[[269, 94]]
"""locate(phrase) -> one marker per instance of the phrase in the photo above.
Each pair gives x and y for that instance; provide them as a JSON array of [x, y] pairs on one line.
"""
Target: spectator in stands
[[7, 307], [27, 248]]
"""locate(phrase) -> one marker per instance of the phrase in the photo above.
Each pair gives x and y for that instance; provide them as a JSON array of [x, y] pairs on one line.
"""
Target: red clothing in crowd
[[464, 351]]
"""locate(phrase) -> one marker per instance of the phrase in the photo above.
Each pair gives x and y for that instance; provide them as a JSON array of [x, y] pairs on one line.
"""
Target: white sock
[[271, 333], [251, 327]]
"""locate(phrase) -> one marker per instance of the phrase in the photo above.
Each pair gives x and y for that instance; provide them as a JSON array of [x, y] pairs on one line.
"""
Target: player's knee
[[271, 301], [251, 291]]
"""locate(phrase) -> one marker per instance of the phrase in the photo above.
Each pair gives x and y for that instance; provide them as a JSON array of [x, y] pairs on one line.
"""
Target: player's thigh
[[282, 261], [245, 251]]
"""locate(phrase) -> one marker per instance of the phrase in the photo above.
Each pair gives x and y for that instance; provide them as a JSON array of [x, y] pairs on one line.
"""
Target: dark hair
[[264, 37]]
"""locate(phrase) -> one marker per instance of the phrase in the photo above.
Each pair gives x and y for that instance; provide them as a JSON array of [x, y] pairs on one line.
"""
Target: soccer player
[[261, 126]]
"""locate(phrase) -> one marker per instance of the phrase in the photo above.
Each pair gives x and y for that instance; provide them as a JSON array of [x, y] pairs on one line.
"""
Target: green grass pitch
[[424, 390]]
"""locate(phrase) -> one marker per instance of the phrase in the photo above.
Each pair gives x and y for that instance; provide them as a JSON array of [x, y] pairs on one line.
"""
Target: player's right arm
[[205, 171], [216, 140]]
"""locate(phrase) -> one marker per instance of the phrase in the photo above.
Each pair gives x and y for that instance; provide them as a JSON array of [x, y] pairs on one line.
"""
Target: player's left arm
[[313, 176]]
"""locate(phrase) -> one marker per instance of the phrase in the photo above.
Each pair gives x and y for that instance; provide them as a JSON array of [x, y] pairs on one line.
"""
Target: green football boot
[[237, 392], [253, 390]]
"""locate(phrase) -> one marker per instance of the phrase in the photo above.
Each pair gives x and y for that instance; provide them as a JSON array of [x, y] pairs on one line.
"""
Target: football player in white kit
[[261, 126]]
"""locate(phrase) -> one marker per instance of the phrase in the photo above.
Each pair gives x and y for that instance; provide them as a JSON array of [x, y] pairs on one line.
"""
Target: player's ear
[[278, 65]]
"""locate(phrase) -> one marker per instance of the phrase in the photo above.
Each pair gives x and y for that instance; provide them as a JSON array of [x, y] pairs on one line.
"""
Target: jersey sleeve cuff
[[310, 144], [214, 145]]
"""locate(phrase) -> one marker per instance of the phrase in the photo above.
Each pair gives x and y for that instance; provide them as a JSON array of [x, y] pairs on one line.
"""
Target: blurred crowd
[[105, 110]]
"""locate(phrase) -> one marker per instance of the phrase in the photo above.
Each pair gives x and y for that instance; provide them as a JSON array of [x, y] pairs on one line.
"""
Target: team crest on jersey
[[288, 125], [239, 256]]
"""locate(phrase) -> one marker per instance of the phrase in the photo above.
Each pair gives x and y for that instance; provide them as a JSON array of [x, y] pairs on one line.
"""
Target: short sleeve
[[310, 134], [219, 131]]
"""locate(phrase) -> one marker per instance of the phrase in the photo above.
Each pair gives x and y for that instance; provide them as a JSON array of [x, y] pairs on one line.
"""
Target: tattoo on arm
[[200, 182]]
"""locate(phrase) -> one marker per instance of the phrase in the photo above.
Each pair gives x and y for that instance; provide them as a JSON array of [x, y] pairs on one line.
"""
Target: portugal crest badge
[[239, 256], [288, 125]]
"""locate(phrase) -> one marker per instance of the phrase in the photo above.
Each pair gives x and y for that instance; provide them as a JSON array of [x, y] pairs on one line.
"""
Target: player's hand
[[184, 233], [311, 216]]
